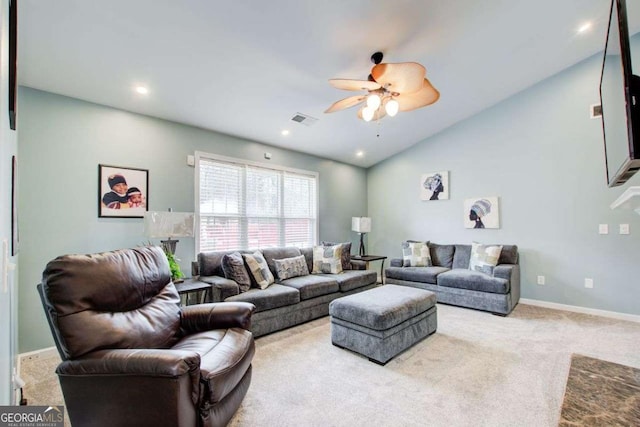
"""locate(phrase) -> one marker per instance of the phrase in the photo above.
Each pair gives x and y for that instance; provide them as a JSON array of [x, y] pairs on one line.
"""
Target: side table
[[192, 286], [369, 258]]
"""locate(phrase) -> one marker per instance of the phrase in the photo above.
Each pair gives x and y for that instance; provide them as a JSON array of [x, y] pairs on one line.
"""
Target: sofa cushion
[[271, 254], [312, 286], [291, 267], [354, 279], [484, 258], [508, 255], [234, 269], [415, 254], [265, 299], [473, 281], [327, 259], [308, 256], [259, 269], [345, 257], [441, 255], [415, 274]]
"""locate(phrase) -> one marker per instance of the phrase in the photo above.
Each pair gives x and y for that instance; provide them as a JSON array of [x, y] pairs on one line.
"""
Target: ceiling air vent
[[304, 119]]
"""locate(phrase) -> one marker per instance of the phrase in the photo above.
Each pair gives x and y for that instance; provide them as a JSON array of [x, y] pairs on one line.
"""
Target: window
[[246, 205]]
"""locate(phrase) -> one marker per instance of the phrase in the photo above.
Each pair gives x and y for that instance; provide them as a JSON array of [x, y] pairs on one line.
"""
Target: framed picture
[[434, 186], [14, 206], [122, 192], [482, 212]]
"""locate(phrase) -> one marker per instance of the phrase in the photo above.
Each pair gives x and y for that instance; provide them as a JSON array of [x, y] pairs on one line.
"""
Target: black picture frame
[[132, 204], [15, 241], [13, 63]]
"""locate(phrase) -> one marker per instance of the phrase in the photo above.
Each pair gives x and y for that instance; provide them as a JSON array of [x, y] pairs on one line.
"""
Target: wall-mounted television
[[620, 99]]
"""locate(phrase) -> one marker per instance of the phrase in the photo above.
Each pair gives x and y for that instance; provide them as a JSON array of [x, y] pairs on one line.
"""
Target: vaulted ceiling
[[245, 68]]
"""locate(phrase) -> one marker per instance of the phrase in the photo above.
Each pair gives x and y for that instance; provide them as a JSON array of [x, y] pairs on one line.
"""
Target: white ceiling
[[246, 67]]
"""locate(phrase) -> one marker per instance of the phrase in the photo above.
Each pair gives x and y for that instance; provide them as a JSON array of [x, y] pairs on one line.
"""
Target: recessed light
[[142, 90], [584, 27], [360, 153], [285, 132]]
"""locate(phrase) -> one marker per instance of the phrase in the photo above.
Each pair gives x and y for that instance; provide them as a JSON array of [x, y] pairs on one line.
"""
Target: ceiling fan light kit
[[391, 88]]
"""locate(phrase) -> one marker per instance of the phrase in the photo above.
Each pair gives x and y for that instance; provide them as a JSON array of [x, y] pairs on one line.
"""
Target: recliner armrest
[[222, 315], [358, 265], [504, 271], [396, 262], [146, 362]]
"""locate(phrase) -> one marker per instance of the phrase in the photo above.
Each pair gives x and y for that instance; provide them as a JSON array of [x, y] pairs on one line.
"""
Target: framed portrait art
[[123, 192]]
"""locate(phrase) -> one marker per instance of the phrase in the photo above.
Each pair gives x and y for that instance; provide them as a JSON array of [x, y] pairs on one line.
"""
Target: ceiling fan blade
[[404, 77], [425, 96], [347, 84], [346, 103], [379, 113]]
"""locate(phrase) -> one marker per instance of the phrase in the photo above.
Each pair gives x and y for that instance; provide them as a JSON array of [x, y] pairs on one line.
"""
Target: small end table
[[191, 286], [369, 258]]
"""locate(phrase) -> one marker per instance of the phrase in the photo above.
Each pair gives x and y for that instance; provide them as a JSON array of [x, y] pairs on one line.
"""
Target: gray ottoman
[[382, 322]]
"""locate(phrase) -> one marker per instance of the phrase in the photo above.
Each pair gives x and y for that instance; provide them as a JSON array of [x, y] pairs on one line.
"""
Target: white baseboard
[[585, 310]]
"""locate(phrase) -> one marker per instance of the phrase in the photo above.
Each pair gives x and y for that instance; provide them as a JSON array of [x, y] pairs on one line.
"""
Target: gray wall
[[543, 156], [62, 141]]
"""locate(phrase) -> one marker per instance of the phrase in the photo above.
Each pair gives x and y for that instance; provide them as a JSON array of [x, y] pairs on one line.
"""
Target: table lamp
[[168, 224], [361, 225]]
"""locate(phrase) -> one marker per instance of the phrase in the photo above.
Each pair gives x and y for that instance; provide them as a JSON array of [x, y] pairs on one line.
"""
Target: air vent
[[304, 119]]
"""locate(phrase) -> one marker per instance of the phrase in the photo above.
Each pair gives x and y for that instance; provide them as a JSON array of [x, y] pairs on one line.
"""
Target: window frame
[[199, 155]]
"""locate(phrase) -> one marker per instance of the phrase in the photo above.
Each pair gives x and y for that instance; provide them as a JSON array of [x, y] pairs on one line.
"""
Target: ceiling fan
[[390, 88]]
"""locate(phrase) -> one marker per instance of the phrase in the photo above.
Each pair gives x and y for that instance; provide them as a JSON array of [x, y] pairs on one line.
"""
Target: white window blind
[[248, 206]]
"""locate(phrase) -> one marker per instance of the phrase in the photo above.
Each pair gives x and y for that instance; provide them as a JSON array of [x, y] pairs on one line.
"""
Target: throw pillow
[[234, 269], [291, 267], [484, 258], [345, 259], [415, 254], [326, 259], [259, 269]]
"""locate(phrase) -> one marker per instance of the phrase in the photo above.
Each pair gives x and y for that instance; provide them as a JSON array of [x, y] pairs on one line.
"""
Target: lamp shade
[[361, 224], [168, 224]]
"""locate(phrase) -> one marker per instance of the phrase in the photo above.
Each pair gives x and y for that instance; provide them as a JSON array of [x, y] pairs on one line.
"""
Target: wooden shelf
[[630, 199]]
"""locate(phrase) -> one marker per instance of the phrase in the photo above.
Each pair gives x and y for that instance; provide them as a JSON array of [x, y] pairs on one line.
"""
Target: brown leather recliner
[[131, 355]]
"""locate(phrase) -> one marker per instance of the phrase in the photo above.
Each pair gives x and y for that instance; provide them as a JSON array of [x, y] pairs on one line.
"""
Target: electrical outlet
[[624, 228], [603, 228], [541, 280], [588, 283]]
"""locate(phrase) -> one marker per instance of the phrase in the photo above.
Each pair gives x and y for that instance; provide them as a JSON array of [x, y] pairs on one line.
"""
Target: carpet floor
[[476, 370]]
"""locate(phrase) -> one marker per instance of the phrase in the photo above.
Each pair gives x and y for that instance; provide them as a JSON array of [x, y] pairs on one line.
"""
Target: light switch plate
[[588, 283], [603, 229], [541, 280], [624, 228]]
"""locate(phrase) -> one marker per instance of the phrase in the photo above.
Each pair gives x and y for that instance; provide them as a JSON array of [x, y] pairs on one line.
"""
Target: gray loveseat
[[290, 301], [453, 282]]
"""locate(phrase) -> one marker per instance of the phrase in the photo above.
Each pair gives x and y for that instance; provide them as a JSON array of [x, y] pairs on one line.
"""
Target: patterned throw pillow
[[291, 267], [326, 259], [346, 253], [484, 257], [416, 254], [234, 269], [259, 269]]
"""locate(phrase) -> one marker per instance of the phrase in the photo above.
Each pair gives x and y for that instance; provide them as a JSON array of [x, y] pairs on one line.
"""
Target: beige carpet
[[476, 370]]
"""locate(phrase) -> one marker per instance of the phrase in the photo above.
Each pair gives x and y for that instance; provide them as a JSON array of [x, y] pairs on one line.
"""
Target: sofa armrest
[[510, 272], [221, 288], [222, 315], [396, 262], [358, 265]]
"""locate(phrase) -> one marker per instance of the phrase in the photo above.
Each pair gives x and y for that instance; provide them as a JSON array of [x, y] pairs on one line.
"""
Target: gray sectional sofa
[[453, 282], [290, 301]]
